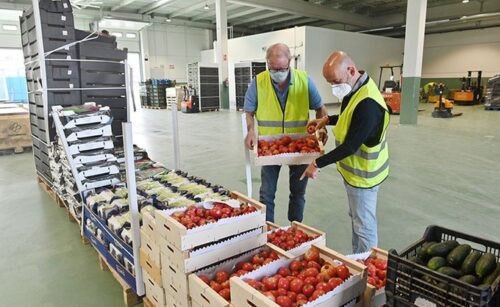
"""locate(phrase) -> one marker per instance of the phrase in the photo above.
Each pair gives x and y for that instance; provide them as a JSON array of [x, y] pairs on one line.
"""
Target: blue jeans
[[363, 213], [269, 175]]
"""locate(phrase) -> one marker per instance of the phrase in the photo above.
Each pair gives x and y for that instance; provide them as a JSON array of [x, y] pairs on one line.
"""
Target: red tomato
[[312, 254], [247, 266], [270, 296], [257, 259], [372, 270], [284, 283], [382, 274], [308, 290], [313, 264], [311, 272], [216, 286], [296, 285], [284, 301], [311, 280], [226, 294], [323, 286], [270, 283], [334, 282], [329, 269], [292, 295], [380, 264], [204, 278], [296, 266], [316, 294], [342, 272], [221, 277]]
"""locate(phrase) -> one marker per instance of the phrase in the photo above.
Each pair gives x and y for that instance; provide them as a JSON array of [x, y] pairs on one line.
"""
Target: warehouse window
[[13, 86], [117, 34], [131, 35]]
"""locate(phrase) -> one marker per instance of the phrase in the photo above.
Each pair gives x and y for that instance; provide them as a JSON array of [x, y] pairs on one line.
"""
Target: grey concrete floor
[[443, 171]]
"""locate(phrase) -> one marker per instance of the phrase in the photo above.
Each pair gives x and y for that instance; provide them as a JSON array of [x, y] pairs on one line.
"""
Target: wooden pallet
[[147, 302], [130, 298], [57, 199], [153, 108], [14, 149]]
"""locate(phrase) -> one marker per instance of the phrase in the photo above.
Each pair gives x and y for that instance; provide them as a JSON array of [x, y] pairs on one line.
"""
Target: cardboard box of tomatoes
[[287, 149], [294, 239], [319, 277], [376, 263], [210, 287]]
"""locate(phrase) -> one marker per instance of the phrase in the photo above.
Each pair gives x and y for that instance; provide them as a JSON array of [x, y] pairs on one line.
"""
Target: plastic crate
[[405, 282]]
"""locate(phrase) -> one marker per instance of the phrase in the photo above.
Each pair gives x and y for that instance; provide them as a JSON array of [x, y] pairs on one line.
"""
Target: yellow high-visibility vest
[[270, 117], [368, 166]]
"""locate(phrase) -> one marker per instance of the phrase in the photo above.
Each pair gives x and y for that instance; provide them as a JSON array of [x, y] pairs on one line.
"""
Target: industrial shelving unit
[[204, 78]]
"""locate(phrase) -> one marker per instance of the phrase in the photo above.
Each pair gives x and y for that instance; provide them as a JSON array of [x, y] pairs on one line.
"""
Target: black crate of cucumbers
[[446, 268]]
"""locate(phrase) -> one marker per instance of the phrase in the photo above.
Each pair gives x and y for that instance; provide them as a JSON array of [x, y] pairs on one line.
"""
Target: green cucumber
[[485, 265], [469, 264], [442, 249], [436, 262], [457, 256], [446, 270]]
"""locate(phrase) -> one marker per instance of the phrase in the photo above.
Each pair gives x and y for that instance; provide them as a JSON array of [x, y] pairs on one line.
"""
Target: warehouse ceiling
[[382, 17]]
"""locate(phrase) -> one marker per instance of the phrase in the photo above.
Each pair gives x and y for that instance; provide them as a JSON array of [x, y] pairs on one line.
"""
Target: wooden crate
[[301, 249], [173, 279], [350, 291], [203, 295], [149, 225], [287, 158], [151, 247], [185, 239], [174, 298], [192, 260], [154, 291], [373, 297], [147, 264], [15, 129]]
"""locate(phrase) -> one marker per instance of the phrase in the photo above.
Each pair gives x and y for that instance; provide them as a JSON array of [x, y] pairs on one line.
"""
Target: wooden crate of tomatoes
[[319, 277], [288, 149], [294, 239], [376, 263], [210, 287], [186, 228]]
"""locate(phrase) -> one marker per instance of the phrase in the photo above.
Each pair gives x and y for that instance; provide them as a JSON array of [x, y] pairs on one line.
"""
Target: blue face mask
[[278, 76]]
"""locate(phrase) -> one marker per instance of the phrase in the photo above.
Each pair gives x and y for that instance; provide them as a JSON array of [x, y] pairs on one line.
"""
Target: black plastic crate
[[406, 283], [101, 79], [80, 34], [112, 102], [102, 67], [110, 54], [56, 6]]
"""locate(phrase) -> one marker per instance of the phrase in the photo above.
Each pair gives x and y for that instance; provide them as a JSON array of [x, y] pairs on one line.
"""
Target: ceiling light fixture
[[465, 1], [206, 7], [168, 19]]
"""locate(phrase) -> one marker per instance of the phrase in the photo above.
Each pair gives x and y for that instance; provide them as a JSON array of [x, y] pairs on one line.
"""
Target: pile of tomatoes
[[377, 271], [286, 144], [220, 282], [197, 216], [288, 239], [302, 281]]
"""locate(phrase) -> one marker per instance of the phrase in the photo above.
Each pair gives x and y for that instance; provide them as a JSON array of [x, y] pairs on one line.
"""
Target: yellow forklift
[[471, 92], [443, 107]]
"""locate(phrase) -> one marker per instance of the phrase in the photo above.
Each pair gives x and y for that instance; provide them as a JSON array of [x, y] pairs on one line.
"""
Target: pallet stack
[[56, 29], [204, 79], [154, 93], [244, 73], [99, 67], [170, 252]]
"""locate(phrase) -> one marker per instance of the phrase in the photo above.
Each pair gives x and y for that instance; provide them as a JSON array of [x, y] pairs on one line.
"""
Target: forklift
[[391, 90], [443, 107], [471, 92], [190, 102]]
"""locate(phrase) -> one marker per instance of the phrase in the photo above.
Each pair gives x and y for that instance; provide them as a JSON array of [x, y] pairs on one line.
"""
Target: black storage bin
[[405, 279]]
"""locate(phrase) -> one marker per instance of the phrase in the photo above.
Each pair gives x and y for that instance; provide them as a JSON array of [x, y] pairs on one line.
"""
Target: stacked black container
[[244, 73], [156, 92], [57, 29], [204, 79], [103, 73]]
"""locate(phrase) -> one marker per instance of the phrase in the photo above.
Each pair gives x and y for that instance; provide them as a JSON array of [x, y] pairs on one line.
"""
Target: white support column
[[221, 50], [412, 65]]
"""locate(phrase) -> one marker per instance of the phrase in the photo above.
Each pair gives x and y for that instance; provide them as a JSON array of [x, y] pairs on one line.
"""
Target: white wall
[[171, 48], [10, 39], [369, 52], [450, 55]]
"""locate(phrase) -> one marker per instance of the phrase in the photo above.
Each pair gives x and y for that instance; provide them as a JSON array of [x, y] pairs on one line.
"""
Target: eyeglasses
[[279, 70]]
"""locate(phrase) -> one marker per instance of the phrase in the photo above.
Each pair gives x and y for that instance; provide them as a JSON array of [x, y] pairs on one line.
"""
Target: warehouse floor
[[443, 171]]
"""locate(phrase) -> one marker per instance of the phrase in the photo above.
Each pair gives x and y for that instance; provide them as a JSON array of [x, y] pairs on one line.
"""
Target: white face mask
[[278, 76], [341, 90]]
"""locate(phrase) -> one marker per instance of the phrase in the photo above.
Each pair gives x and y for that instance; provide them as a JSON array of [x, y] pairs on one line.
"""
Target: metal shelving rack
[[204, 78]]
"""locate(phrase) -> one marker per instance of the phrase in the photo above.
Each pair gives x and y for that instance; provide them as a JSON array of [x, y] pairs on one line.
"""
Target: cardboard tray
[[287, 158]]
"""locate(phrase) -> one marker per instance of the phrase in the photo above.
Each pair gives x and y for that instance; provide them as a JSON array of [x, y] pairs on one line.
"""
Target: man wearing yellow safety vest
[[361, 151], [280, 99]]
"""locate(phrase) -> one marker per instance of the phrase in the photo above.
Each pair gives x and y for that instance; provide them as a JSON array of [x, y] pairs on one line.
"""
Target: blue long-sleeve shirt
[[250, 104]]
